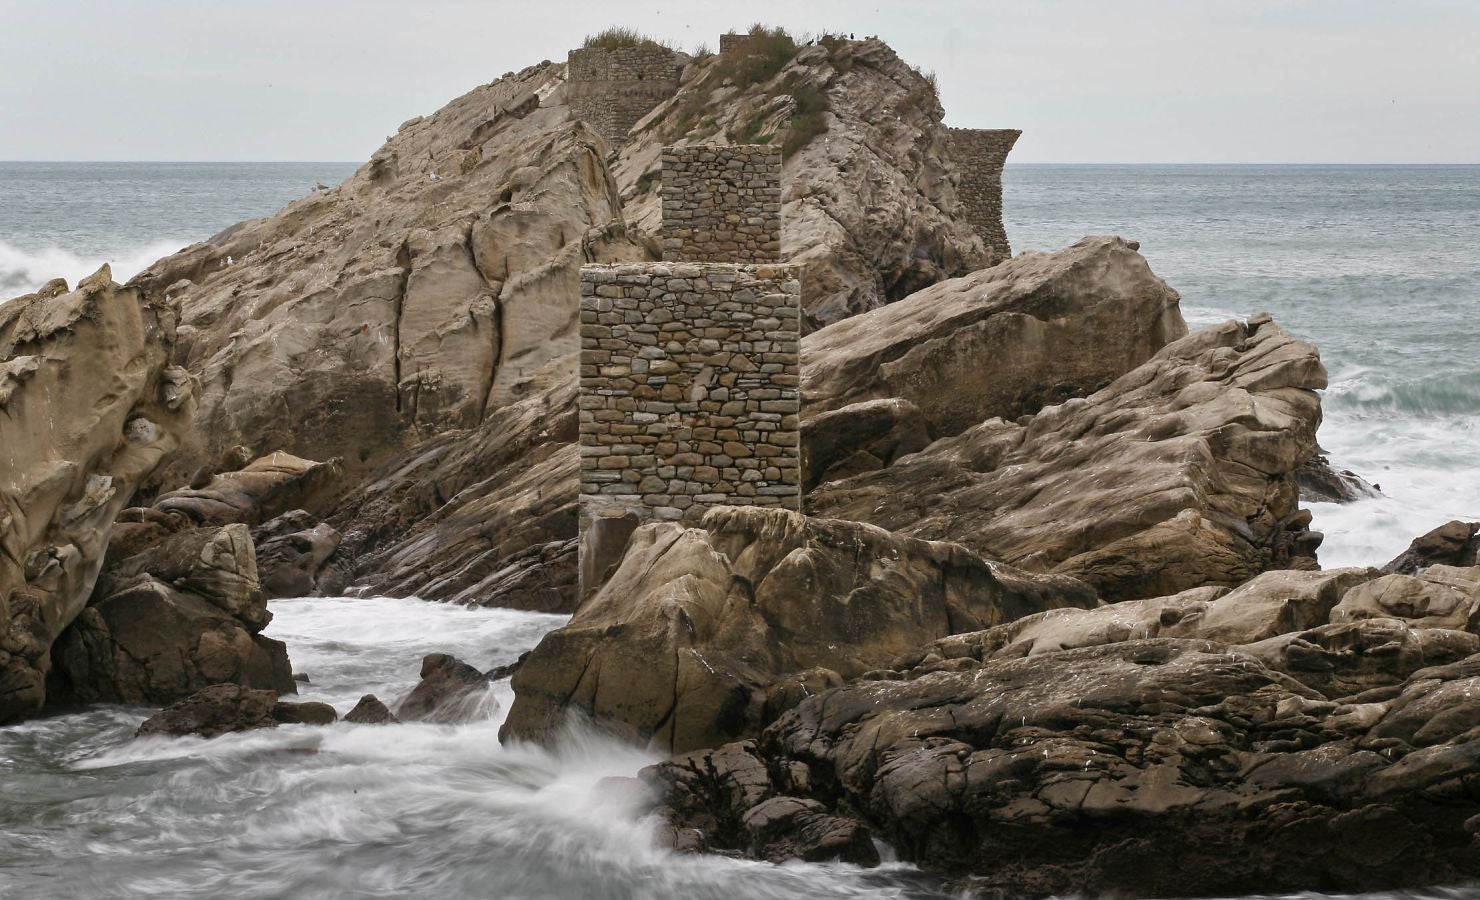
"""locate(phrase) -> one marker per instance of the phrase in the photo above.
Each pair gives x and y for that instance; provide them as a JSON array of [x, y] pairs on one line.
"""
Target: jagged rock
[[253, 494], [860, 437], [427, 292], [89, 409], [213, 711], [682, 642], [1454, 543], [292, 550], [308, 713], [370, 711], [1177, 475], [871, 206], [1002, 342], [450, 692], [1320, 483], [486, 518], [171, 620], [1442, 597], [1342, 659], [1150, 768]]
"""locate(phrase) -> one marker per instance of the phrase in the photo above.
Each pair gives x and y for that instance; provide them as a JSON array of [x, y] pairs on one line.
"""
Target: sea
[[1379, 266]]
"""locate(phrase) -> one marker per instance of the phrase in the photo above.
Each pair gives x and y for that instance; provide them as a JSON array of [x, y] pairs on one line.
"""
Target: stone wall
[[689, 388], [732, 41], [722, 203], [979, 154], [612, 89]]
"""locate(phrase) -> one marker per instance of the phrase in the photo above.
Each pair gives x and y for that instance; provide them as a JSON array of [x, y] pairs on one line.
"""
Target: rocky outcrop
[[701, 634], [870, 203], [484, 518], [1176, 475], [90, 408], [292, 551], [1152, 767], [450, 692], [1002, 342], [225, 708], [1320, 482], [371, 711], [170, 620], [433, 288], [1454, 543], [252, 494], [1309, 730]]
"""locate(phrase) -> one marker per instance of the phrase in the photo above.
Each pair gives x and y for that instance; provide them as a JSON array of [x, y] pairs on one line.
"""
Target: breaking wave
[[23, 271]]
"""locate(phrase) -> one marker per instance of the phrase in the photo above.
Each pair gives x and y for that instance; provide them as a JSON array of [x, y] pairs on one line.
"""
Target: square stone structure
[[689, 389], [722, 204], [611, 89], [979, 154]]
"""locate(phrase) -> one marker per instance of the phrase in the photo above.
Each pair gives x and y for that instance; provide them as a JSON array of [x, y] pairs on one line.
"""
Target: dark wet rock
[[370, 711], [309, 713], [1321, 483], [90, 408], [292, 550], [1454, 543], [213, 711], [860, 437], [507, 670], [176, 617], [1162, 767], [1177, 475], [450, 692], [603, 541], [682, 644]]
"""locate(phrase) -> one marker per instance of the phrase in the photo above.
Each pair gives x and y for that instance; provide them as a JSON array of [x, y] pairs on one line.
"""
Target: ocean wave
[[1441, 391], [23, 271]]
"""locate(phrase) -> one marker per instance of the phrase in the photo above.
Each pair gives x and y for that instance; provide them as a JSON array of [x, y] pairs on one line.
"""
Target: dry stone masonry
[[610, 89], [979, 154], [722, 203], [689, 388]]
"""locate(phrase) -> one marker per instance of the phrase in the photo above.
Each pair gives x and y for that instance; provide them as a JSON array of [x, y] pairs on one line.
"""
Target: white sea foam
[[22, 270]]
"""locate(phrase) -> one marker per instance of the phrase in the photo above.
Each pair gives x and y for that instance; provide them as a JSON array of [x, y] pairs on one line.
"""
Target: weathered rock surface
[[485, 518], [252, 494], [1320, 482], [1002, 342], [90, 407], [450, 692], [214, 711], [682, 643], [172, 619], [292, 550], [1451, 544], [371, 711], [1177, 475], [871, 208], [1156, 767]]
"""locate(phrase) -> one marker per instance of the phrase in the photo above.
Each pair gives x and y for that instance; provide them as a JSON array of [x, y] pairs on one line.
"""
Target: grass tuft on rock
[[616, 37]]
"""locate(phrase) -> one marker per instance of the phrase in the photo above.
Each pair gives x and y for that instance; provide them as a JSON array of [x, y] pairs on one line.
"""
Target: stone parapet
[[980, 154], [611, 89]]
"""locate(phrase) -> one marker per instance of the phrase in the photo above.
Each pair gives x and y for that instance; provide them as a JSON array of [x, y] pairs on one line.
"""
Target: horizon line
[[338, 162]]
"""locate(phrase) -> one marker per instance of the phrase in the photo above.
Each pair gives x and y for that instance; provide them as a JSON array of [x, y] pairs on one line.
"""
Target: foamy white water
[[359, 810], [24, 270]]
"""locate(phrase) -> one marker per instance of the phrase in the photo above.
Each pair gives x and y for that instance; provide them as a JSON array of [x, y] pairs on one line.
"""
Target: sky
[[1130, 81]]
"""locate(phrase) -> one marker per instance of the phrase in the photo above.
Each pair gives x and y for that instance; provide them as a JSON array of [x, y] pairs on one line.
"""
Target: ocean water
[[1378, 266], [66, 219]]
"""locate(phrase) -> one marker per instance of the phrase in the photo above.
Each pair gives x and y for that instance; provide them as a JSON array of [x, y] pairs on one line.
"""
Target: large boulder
[[90, 409], [1157, 767], [1001, 342], [1454, 543], [292, 551], [1179, 474], [170, 620], [450, 692], [261, 490], [695, 636]]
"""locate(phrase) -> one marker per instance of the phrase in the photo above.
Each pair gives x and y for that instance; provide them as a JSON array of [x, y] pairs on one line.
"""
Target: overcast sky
[[1087, 80]]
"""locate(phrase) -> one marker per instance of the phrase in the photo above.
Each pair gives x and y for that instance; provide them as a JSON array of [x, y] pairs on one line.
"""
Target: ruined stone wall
[[979, 155], [732, 41], [612, 89], [689, 388], [722, 203]]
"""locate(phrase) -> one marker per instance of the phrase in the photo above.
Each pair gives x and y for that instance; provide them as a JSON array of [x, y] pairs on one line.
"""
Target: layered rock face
[[1003, 342], [703, 634], [89, 409], [870, 207], [1309, 729], [433, 288], [1178, 474]]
